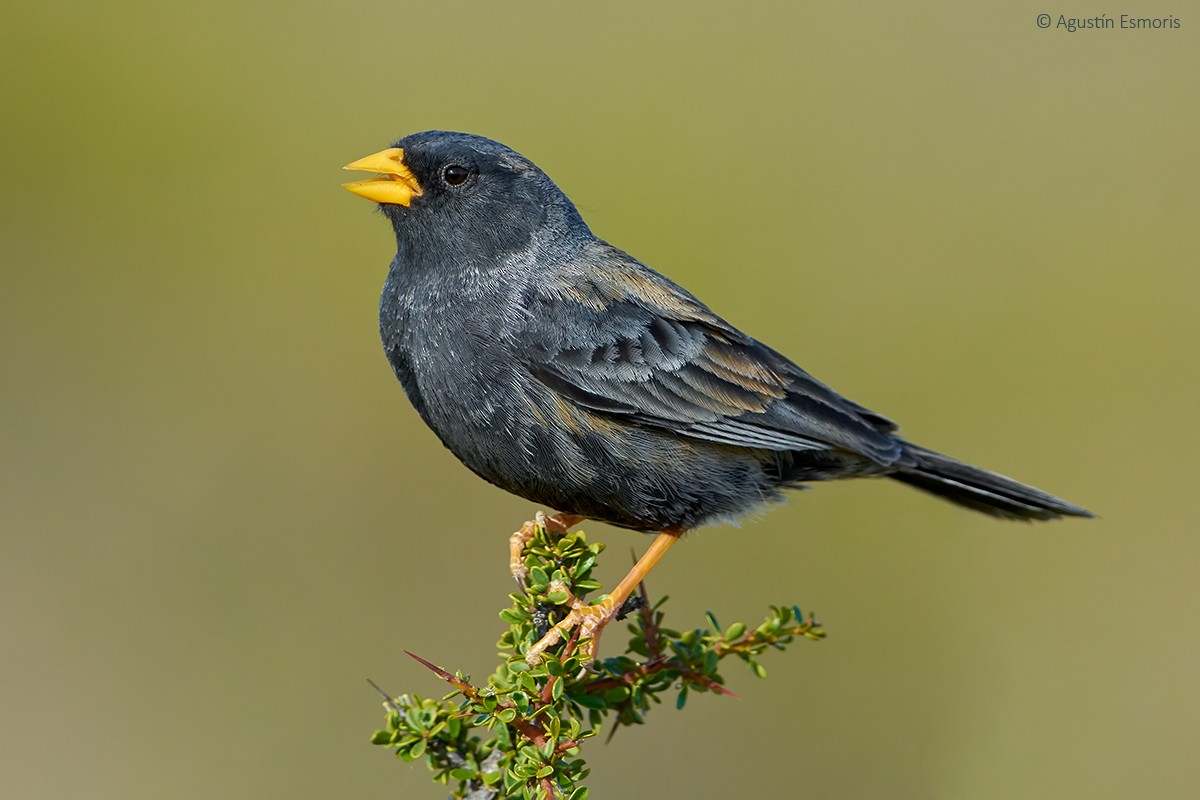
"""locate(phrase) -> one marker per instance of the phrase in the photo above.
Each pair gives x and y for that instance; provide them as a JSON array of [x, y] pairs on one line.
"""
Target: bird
[[564, 370]]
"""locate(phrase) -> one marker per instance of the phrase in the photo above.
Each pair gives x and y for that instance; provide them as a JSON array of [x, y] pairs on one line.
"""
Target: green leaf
[[412, 716], [735, 631], [616, 695], [381, 737], [589, 701], [511, 781]]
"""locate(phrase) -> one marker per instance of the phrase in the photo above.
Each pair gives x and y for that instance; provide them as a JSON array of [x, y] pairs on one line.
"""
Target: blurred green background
[[220, 514]]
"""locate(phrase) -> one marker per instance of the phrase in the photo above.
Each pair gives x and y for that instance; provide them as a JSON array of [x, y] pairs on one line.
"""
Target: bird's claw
[[516, 549], [590, 619], [557, 523]]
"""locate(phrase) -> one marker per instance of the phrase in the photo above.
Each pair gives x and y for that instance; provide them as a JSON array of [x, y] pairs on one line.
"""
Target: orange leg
[[559, 523], [592, 619]]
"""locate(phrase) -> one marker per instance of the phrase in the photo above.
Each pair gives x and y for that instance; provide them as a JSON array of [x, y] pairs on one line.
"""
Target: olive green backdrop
[[220, 514]]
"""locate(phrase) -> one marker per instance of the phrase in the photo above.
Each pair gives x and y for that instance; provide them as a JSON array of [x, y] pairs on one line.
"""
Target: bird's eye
[[455, 174]]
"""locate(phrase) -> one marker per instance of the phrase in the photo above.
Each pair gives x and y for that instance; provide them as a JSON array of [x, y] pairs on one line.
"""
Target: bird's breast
[[457, 364]]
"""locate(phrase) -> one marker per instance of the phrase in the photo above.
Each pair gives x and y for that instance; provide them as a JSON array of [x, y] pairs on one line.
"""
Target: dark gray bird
[[564, 370]]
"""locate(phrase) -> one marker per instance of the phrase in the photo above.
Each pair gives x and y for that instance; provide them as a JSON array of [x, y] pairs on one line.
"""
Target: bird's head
[[462, 196]]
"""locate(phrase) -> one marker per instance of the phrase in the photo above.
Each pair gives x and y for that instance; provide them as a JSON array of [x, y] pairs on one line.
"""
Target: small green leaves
[[538, 577], [589, 701], [513, 616], [519, 735]]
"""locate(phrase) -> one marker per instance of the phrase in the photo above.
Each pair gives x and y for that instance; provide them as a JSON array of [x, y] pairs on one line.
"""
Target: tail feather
[[979, 489]]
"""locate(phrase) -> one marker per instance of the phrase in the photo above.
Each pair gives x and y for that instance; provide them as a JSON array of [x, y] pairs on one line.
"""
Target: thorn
[[649, 625], [436, 670], [456, 682], [719, 689], [387, 698]]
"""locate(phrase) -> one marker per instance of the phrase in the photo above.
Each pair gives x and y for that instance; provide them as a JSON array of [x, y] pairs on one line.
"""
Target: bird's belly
[[528, 441], [518, 434]]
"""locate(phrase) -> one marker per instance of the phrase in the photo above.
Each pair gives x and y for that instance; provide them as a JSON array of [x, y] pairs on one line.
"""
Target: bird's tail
[[979, 489]]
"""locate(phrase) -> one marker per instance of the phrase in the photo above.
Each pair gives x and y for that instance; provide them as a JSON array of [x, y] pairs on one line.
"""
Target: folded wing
[[616, 338]]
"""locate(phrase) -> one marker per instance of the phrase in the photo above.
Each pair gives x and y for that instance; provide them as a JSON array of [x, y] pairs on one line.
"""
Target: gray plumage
[[566, 371]]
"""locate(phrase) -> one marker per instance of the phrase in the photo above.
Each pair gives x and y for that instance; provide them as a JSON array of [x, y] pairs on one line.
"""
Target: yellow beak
[[396, 184]]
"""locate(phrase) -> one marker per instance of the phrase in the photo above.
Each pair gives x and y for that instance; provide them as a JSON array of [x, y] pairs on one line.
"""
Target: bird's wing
[[619, 339]]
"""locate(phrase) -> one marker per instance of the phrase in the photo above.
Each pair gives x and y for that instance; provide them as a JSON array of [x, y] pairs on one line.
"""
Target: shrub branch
[[521, 733]]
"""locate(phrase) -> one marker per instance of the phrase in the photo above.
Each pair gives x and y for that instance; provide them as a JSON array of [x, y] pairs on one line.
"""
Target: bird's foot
[[590, 619], [558, 523]]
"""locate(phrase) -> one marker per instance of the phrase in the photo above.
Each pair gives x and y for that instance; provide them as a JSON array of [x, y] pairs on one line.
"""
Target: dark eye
[[455, 174]]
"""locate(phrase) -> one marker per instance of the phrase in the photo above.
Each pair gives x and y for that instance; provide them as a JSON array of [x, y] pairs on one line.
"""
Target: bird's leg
[[559, 523], [592, 619]]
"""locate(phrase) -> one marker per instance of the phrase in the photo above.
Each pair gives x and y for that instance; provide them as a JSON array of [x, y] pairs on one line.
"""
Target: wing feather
[[616, 338]]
